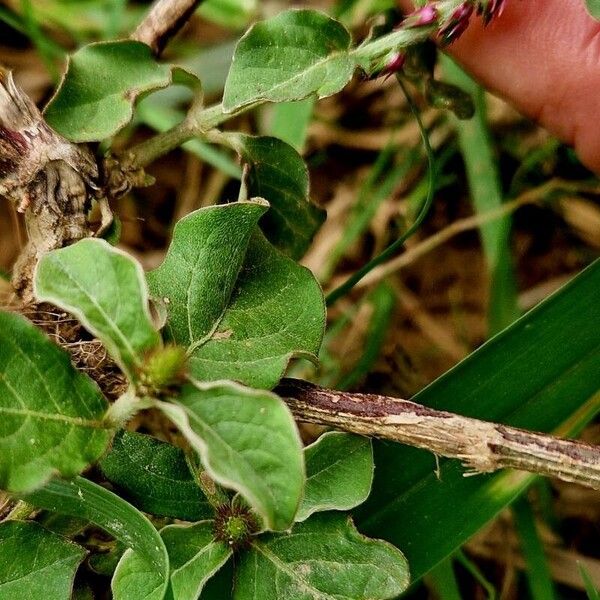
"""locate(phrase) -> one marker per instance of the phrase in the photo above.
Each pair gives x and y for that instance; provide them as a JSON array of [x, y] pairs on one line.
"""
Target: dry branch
[[481, 446], [165, 19]]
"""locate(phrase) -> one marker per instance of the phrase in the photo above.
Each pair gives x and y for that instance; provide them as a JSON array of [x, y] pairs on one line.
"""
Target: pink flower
[[426, 15], [456, 24], [394, 63]]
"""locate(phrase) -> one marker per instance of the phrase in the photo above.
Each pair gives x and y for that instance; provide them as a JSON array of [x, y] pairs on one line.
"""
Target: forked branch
[[480, 445]]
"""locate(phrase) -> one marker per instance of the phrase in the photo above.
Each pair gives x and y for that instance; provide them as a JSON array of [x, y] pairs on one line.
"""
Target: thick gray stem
[[480, 445]]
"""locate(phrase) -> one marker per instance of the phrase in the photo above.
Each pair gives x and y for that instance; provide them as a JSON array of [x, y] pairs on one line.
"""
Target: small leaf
[[195, 556], [339, 473], [87, 500], [248, 441], [51, 414], [593, 7], [289, 57], [97, 94], [228, 295], [155, 477], [36, 564], [197, 277], [321, 559], [277, 173], [106, 290], [276, 313]]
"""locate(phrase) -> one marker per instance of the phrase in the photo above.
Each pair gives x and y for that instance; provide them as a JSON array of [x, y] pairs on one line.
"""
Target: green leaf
[[323, 558], [106, 290], [195, 556], [36, 564], [339, 473], [50, 414], [289, 57], [277, 173], [98, 92], [155, 477], [198, 275], [593, 7], [244, 325], [87, 500], [247, 440], [541, 373], [277, 312]]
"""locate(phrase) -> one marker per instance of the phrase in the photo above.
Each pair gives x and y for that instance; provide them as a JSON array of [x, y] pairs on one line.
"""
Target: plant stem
[[201, 125], [165, 19], [482, 446]]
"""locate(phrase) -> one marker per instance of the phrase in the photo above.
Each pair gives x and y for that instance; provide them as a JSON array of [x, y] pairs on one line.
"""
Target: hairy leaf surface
[[248, 441], [277, 173], [50, 414], [321, 559], [244, 308], [194, 556], [106, 290], [97, 94], [155, 477], [339, 473], [36, 564], [199, 273], [289, 57]]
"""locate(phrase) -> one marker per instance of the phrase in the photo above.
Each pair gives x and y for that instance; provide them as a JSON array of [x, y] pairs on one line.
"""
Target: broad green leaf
[[593, 7], [87, 500], [245, 308], [155, 477], [339, 473], [247, 440], [277, 173], [50, 414], [321, 559], [106, 290], [541, 373], [97, 94], [198, 275], [36, 564], [296, 54], [194, 555], [276, 313]]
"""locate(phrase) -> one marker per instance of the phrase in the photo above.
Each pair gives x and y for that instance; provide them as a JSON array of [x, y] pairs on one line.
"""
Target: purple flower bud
[[394, 63], [426, 15], [456, 24]]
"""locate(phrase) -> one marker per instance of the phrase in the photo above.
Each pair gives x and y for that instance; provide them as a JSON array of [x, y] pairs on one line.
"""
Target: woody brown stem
[[480, 445], [165, 19], [47, 177]]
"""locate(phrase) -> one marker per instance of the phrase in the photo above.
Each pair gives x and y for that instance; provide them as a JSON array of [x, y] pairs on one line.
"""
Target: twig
[[480, 445], [165, 19]]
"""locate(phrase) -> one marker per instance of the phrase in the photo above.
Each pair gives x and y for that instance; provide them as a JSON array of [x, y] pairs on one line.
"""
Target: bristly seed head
[[234, 525]]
